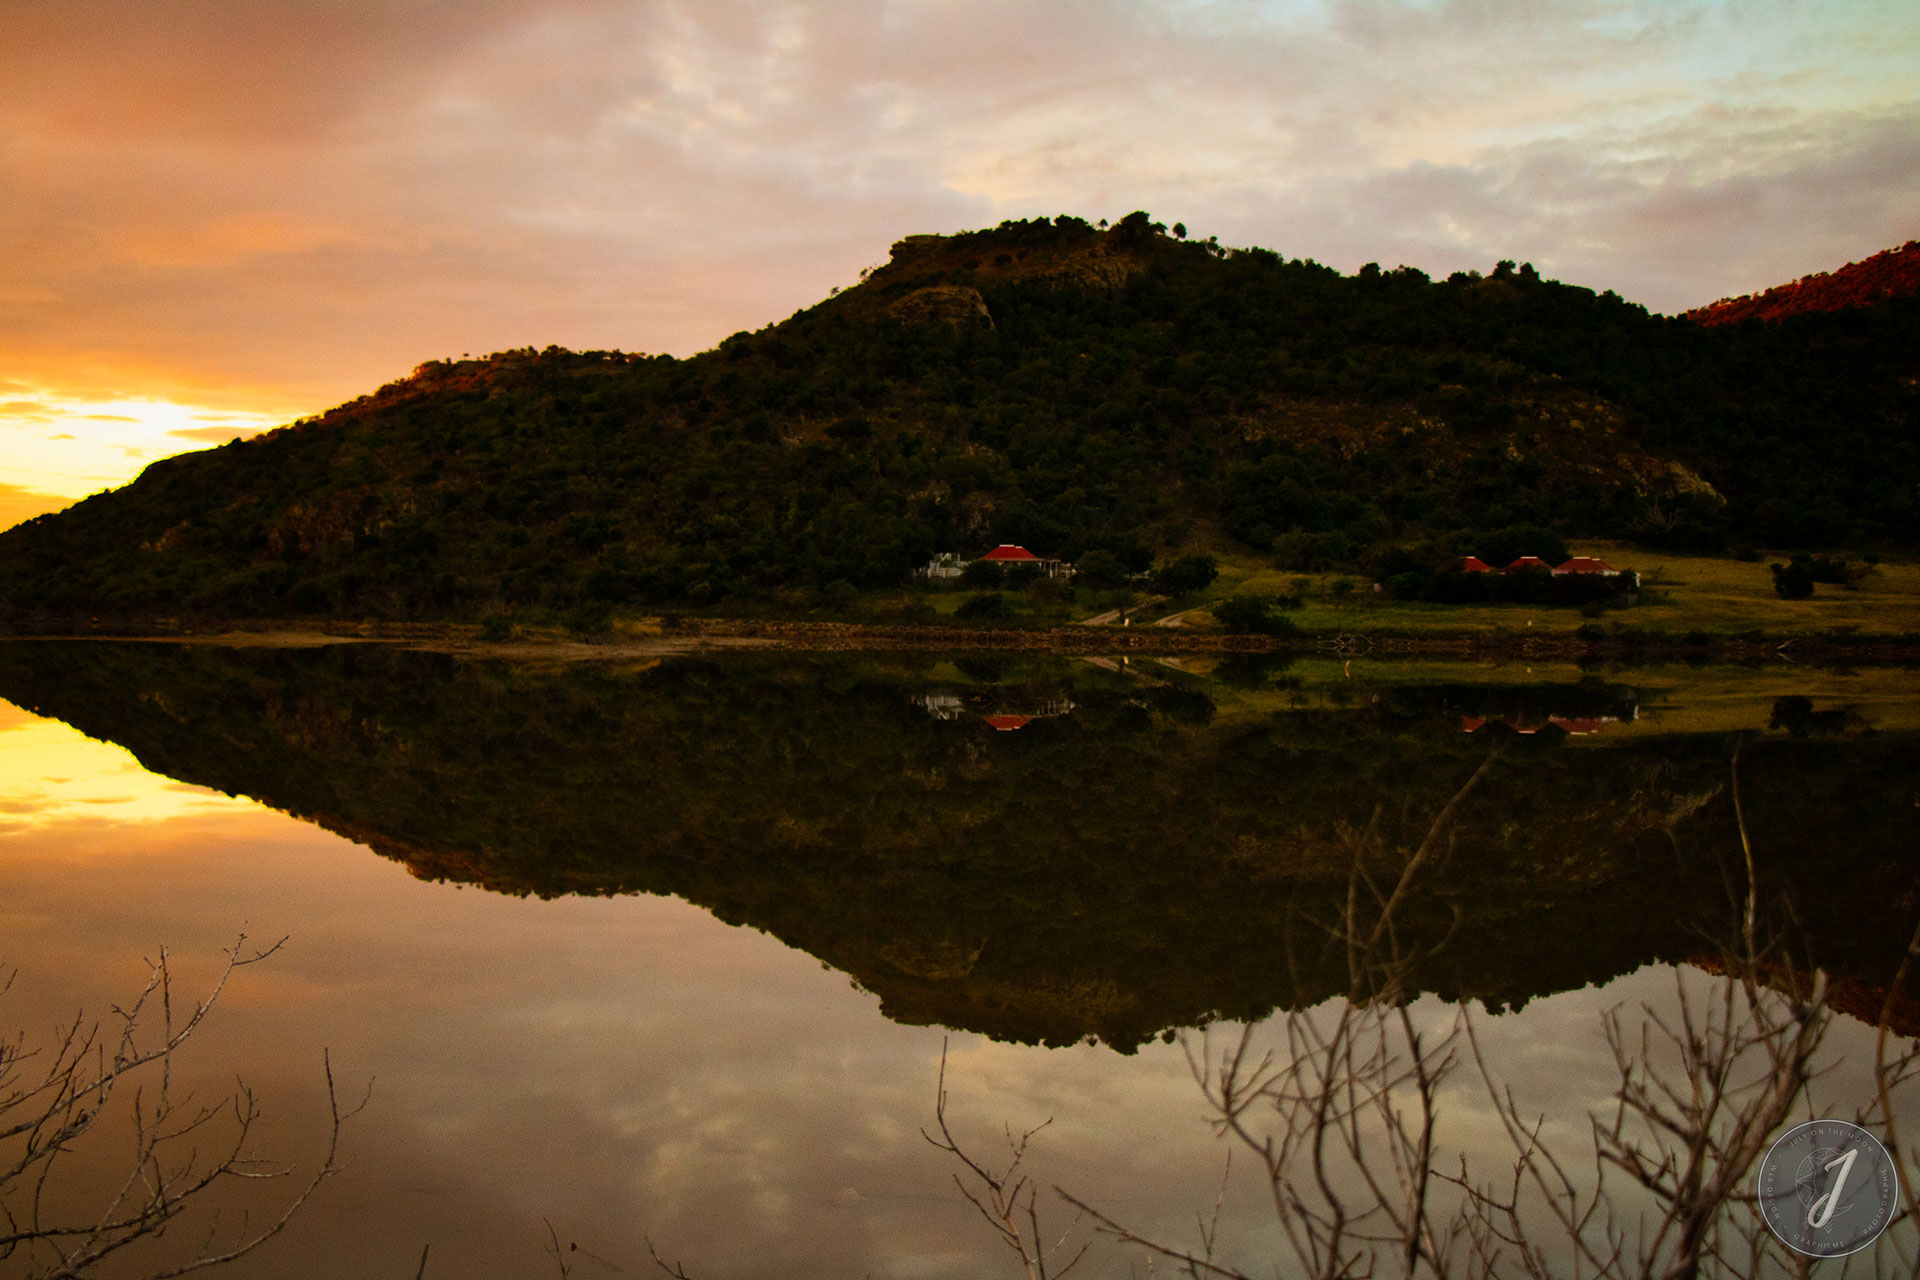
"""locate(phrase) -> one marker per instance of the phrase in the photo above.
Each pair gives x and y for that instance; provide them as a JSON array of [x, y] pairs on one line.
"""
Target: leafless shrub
[[52, 1102], [1007, 1199], [1340, 1118]]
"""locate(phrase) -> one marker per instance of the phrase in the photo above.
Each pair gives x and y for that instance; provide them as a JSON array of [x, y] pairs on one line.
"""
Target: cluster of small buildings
[[1534, 564], [949, 564]]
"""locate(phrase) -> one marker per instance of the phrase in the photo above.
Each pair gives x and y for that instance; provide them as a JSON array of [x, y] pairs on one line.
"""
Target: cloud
[[24, 409], [312, 198], [216, 435], [17, 504]]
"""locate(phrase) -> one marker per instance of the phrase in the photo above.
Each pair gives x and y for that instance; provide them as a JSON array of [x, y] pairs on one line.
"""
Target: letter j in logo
[[1827, 1188]]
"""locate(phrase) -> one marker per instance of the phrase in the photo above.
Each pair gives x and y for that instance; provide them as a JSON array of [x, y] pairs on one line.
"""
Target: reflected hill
[[1136, 855]]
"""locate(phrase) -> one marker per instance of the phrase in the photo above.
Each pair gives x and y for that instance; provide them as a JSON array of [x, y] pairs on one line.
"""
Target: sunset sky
[[223, 214]]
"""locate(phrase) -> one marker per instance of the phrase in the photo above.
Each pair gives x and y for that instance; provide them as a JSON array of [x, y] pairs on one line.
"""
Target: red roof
[[1005, 723], [1586, 564], [1007, 551], [1527, 562], [1473, 564]]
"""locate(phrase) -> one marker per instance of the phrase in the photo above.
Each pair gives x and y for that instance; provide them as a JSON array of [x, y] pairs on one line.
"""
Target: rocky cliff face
[[950, 304]]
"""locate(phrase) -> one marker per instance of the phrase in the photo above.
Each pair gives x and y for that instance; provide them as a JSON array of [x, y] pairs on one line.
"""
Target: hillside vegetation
[[1047, 383], [1894, 273]]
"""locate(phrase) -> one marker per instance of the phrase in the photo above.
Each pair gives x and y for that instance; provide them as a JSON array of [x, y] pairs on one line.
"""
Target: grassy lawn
[[1679, 594]]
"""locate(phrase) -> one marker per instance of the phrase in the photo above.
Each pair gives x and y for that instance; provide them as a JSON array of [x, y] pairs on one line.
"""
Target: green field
[[1716, 595], [1713, 595]]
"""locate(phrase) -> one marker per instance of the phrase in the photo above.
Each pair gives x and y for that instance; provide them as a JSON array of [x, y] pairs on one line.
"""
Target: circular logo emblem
[[1827, 1188]]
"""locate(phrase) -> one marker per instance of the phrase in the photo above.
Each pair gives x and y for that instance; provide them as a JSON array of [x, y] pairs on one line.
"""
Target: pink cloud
[[315, 197]]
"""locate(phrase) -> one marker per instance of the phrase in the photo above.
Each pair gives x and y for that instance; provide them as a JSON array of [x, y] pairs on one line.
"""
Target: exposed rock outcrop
[[954, 304]]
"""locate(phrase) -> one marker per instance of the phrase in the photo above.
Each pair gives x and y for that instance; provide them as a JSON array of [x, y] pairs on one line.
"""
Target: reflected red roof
[[1005, 723]]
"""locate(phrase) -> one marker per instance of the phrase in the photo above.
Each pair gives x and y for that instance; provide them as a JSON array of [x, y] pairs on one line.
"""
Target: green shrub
[[989, 606], [1101, 570], [1186, 575], [1792, 581], [1253, 615], [982, 573]]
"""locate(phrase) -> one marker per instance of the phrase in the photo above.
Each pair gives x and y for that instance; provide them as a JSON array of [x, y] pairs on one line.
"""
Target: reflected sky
[[628, 1068], [54, 775]]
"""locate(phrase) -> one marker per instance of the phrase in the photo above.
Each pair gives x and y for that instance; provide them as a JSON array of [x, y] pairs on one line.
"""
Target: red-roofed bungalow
[[1472, 564], [1587, 564], [1527, 564], [1009, 556]]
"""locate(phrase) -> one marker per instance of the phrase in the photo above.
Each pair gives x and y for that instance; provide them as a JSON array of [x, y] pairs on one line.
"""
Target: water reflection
[[1151, 849], [1166, 850]]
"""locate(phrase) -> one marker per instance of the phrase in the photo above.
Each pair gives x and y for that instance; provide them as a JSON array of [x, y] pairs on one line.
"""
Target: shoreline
[[688, 635]]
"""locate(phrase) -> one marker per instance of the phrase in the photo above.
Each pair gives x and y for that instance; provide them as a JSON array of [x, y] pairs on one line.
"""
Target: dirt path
[[1108, 618]]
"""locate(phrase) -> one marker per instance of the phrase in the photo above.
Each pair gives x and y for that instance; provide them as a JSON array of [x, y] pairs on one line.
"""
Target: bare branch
[[49, 1116]]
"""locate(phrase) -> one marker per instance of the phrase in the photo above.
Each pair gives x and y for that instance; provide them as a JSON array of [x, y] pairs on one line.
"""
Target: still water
[[668, 951]]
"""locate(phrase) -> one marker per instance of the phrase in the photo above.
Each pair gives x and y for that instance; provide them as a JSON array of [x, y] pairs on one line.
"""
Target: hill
[[1893, 273], [1048, 383]]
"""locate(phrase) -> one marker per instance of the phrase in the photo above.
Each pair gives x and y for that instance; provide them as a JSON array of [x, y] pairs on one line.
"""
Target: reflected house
[[1574, 710], [1020, 715], [943, 706], [1522, 722], [1002, 709], [1586, 565]]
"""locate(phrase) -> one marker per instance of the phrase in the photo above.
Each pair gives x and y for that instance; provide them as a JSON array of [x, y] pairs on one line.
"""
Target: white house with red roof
[[1009, 556]]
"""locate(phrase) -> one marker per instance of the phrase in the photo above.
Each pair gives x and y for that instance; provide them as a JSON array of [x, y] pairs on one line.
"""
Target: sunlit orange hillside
[[1894, 273]]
